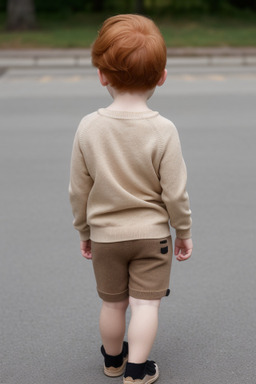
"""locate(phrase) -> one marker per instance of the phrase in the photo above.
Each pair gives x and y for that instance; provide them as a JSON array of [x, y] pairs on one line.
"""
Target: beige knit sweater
[[128, 178]]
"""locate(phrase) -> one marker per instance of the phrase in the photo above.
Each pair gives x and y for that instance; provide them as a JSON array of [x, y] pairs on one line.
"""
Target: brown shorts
[[137, 268]]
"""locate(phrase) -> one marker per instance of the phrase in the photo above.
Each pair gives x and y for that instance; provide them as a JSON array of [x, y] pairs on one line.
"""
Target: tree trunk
[[20, 14], [98, 5], [139, 6], [214, 5]]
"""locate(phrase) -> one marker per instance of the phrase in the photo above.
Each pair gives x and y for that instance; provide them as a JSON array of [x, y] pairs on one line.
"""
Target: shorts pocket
[[164, 250]]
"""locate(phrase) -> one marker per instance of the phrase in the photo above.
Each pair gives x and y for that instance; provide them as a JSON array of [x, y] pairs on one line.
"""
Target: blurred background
[[74, 23]]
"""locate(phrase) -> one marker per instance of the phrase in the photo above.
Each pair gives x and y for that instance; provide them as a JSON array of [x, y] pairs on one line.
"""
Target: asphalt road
[[49, 305]]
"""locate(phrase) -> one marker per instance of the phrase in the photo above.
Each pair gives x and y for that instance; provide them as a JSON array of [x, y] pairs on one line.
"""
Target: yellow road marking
[[46, 79]]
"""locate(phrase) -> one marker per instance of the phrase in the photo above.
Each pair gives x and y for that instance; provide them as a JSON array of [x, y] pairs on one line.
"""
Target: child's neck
[[130, 102]]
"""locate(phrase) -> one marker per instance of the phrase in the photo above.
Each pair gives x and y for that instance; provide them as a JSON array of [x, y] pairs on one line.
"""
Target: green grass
[[209, 32], [79, 31]]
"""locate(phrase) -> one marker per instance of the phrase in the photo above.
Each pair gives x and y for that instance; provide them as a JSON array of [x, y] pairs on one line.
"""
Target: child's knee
[[120, 305], [139, 302]]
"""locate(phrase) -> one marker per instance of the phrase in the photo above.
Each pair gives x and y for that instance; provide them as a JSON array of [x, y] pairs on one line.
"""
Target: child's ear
[[103, 79], [162, 78]]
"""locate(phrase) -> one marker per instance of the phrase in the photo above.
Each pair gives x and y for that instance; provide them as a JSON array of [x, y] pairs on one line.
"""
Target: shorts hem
[[113, 298], [149, 295]]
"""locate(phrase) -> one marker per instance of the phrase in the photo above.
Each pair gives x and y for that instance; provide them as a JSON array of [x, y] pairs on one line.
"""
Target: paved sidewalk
[[81, 57]]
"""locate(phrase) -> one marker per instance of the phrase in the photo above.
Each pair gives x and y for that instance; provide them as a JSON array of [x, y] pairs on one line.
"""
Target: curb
[[67, 58]]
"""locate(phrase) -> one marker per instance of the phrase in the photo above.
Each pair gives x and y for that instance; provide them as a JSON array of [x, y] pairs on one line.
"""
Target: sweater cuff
[[84, 236], [184, 234]]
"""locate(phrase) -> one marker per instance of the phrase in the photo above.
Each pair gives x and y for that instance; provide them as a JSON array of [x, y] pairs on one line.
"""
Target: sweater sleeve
[[79, 189], [173, 179]]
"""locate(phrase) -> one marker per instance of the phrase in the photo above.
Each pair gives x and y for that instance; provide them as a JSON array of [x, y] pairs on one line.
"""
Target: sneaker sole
[[149, 381], [115, 372]]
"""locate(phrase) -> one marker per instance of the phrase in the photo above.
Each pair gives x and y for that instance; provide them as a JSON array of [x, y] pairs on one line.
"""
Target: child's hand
[[183, 249], [85, 247]]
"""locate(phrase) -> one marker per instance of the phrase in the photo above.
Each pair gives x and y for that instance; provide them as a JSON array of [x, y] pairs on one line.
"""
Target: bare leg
[[142, 329], [112, 326]]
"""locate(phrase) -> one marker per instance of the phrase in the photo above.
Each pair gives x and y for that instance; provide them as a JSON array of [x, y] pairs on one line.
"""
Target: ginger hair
[[130, 51]]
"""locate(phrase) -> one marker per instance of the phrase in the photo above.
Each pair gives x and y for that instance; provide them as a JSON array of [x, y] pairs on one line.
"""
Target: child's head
[[130, 51]]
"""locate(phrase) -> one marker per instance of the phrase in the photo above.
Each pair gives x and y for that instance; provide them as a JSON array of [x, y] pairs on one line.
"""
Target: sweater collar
[[126, 114]]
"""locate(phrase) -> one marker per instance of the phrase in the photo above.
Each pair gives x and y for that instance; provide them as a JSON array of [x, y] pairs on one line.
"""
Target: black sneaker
[[114, 366], [150, 375]]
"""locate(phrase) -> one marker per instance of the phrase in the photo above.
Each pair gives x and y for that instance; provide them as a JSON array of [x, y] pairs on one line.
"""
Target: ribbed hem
[[116, 234], [184, 234], [84, 236], [149, 295], [113, 298]]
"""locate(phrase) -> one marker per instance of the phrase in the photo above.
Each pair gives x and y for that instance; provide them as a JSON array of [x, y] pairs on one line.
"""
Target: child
[[128, 180]]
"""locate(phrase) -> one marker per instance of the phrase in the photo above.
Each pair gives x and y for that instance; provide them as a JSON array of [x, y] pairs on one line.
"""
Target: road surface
[[49, 305]]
